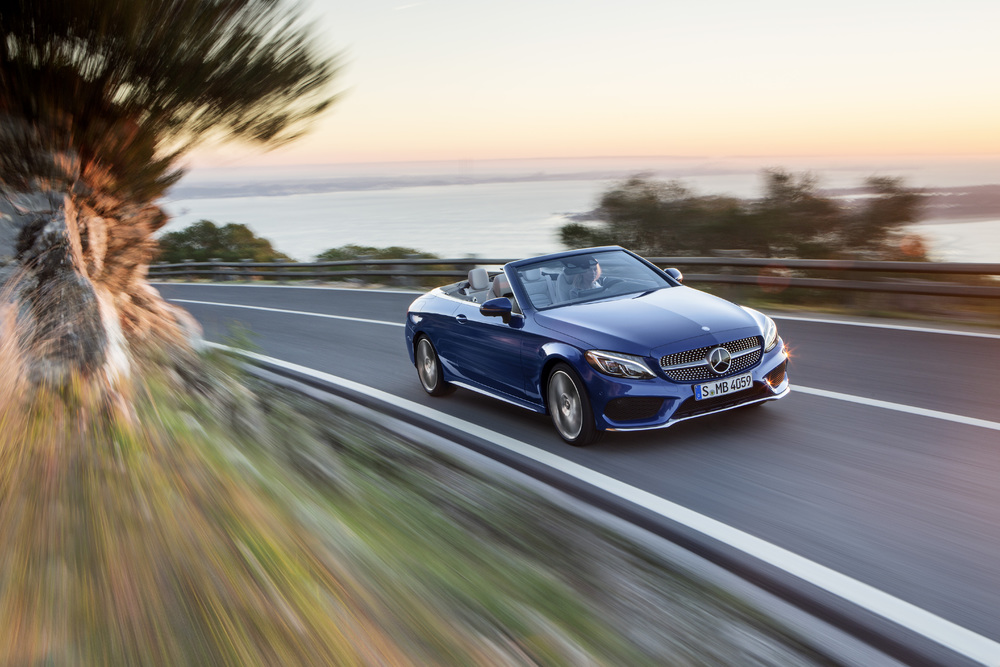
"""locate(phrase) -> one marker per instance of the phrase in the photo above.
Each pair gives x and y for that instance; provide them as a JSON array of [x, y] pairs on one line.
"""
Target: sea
[[515, 208]]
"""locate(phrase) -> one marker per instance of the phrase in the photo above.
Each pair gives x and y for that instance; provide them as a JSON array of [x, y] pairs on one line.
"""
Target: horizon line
[[470, 160]]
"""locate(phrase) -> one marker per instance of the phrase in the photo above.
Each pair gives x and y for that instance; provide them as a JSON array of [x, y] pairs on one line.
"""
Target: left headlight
[[619, 365], [770, 335], [767, 326]]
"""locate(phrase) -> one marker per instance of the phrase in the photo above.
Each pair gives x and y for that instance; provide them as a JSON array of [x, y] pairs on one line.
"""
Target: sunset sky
[[484, 79]]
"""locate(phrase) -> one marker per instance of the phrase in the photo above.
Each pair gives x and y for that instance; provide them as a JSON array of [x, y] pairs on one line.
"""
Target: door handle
[[462, 319]]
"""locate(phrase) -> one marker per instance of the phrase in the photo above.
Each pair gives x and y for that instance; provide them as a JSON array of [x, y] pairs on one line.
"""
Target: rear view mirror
[[675, 274]]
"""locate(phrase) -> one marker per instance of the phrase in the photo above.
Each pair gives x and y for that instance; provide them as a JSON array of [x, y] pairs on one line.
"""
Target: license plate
[[723, 387]]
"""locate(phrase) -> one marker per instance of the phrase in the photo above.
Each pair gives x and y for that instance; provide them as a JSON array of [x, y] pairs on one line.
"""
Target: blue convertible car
[[600, 339]]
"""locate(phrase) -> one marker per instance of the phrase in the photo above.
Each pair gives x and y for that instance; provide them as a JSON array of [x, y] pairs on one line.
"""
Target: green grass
[[191, 519]]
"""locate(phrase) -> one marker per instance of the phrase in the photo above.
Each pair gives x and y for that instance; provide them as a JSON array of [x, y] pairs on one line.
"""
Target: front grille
[[693, 365], [633, 408], [693, 406]]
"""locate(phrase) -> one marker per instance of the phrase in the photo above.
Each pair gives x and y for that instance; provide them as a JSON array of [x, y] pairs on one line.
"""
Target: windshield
[[580, 278]]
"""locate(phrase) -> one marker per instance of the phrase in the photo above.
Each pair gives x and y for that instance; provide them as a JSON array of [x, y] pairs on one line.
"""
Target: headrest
[[531, 274], [479, 279], [501, 285]]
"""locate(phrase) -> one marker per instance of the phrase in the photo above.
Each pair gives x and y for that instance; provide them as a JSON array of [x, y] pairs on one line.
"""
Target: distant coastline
[[961, 188], [967, 203], [282, 188], [515, 209]]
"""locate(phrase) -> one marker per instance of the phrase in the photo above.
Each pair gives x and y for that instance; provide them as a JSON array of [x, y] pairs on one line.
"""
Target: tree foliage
[[792, 219], [204, 241], [128, 86]]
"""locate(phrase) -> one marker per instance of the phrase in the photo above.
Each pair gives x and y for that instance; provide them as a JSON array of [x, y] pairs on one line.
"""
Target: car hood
[[652, 323]]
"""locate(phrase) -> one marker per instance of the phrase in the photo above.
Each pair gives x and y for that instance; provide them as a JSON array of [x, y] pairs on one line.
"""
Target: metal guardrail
[[774, 274]]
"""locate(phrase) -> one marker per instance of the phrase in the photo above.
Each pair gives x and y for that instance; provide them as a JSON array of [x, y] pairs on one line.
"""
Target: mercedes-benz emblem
[[719, 360]]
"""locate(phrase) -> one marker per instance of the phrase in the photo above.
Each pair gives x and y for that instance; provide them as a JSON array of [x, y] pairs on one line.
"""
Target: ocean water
[[962, 240], [499, 220], [457, 216]]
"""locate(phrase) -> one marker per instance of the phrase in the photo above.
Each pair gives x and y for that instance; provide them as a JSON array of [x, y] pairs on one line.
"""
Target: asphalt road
[[907, 503]]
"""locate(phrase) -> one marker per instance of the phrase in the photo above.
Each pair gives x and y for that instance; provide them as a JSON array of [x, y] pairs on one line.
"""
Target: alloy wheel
[[566, 405], [427, 365]]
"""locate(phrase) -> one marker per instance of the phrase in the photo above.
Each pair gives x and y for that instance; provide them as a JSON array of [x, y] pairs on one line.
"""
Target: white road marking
[[320, 287], [289, 312], [899, 407], [896, 327], [955, 637]]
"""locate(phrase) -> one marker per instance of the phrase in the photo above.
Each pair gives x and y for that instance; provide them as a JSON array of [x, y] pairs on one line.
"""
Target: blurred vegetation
[[194, 517], [204, 241], [792, 219], [352, 251], [128, 86]]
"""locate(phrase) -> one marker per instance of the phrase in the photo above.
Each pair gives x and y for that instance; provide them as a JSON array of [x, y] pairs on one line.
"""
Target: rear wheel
[[569, 407], [429, 369]]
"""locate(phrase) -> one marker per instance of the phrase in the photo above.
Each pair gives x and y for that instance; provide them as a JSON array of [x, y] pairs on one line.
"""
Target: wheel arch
[[556, 353], [414, 341]]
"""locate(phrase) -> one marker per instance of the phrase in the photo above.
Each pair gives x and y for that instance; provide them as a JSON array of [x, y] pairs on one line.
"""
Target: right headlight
[[619, 365]]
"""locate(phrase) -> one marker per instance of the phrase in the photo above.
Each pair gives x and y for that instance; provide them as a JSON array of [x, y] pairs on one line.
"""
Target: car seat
[[500, 287], [563, 288], [540, 289], [479, 281]]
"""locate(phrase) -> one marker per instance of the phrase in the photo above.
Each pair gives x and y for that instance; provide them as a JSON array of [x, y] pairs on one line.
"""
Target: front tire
[[429, 369], [569, 407]]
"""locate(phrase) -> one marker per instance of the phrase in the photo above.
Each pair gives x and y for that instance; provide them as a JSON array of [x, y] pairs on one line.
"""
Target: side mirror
[[499, 307], [675, 274]]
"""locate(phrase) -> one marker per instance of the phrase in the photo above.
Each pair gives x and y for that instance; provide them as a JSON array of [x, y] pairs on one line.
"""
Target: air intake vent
[[633, 408]]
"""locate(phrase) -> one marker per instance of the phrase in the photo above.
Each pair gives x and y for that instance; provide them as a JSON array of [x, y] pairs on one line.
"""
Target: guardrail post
[[218, 272], [407, 280], [363, 268], [189, 276], [247, 270]]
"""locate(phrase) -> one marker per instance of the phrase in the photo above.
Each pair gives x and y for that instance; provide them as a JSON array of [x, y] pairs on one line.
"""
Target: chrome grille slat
[[691, 365], [677, 367]]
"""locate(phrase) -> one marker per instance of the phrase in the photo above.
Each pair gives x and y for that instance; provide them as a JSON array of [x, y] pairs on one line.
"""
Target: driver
[[587, 280]]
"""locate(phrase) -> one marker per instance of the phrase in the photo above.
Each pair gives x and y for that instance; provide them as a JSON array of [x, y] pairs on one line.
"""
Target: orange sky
[[477, 80]]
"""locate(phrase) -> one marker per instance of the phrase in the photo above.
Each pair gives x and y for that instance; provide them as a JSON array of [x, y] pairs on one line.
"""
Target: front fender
[[542, 360]]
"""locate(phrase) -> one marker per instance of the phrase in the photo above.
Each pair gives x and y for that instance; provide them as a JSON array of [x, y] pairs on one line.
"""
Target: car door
[[486, 351]]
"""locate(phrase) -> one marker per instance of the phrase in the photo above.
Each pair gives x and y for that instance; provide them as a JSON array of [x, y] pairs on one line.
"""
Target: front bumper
[[639, 405]]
